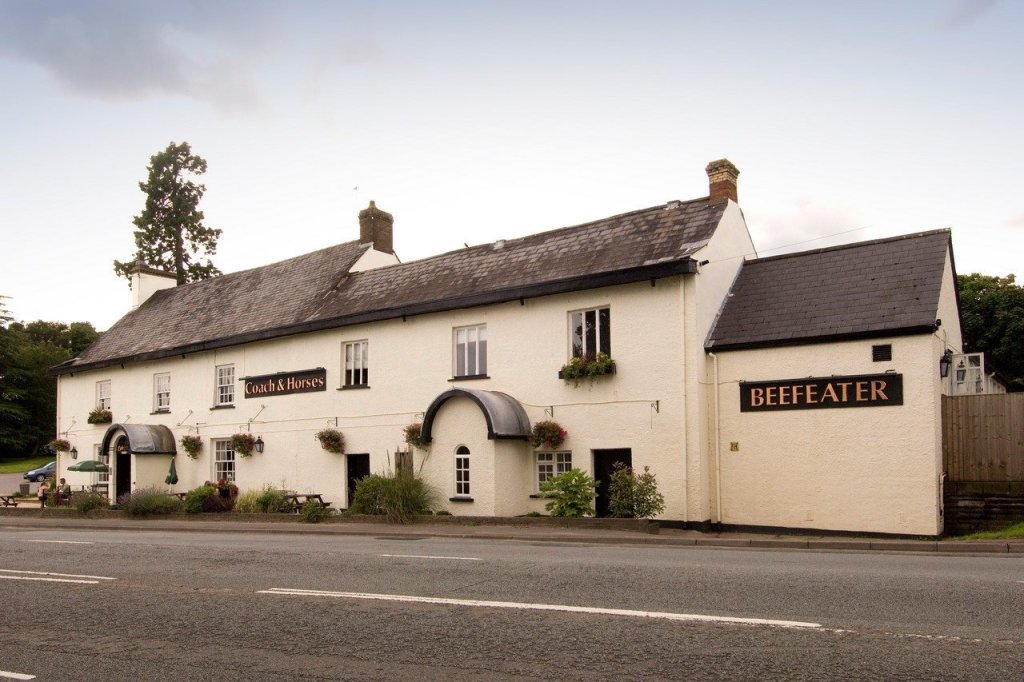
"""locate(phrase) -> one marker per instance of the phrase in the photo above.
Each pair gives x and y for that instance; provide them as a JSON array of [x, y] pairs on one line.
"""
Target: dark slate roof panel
[[316, 291], [856, 290]]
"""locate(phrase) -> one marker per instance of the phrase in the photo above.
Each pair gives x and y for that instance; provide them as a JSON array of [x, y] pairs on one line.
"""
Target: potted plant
[[413, 435], [548, 433], [586, 367], [100, 416], [243, 444], [191, 445], [331, 440], [60, 445]]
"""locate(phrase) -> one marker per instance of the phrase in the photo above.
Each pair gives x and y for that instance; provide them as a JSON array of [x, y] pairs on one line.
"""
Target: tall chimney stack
[[722, 180], [375, 227]]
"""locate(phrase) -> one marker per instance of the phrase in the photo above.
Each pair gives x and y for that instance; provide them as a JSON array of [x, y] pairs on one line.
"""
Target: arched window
[[462, 471]]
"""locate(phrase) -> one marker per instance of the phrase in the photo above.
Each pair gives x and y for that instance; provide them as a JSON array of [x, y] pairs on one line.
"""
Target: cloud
[[966, 12], [121, 50], [1015, 221]]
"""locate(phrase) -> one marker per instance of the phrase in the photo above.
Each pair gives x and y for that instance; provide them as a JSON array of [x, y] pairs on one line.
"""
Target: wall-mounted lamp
[[259, 444], [944, 362], [74, 453]]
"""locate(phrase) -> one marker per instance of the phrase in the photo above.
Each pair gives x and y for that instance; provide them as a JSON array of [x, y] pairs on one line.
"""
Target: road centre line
[[542, 607], [16, 676], [59, 575], [428, 556], [64, 542], [49, 580]]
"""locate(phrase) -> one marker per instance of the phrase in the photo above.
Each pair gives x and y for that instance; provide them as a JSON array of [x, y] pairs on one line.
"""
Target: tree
[[13, 414], [992, 310], [170, 232]]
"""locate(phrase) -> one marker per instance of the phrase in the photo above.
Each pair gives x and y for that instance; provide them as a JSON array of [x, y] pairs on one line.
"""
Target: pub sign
[[816, 393], [285, 383]]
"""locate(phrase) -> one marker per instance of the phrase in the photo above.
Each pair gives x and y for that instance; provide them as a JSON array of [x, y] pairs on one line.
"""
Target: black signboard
[[285, 383], [816, 393]]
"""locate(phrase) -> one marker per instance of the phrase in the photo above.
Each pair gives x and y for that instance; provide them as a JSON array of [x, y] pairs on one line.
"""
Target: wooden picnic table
[[8, 501], [293, 501]]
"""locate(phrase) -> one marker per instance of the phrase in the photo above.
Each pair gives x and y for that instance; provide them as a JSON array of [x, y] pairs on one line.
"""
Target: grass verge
[[1014, 531], [20, 466]]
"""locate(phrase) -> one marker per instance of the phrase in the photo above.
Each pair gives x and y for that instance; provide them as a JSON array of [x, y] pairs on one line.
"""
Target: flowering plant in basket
[[331, 440], [547, 433], [413, 435], [191, 445], [243, 444]]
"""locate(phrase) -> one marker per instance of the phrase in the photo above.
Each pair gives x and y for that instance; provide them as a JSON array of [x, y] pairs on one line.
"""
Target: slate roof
[[316, 291], [868, 289]]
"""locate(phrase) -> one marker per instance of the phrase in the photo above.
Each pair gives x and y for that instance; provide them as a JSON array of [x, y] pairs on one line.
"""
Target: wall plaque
[[285, 383], [815, 393]]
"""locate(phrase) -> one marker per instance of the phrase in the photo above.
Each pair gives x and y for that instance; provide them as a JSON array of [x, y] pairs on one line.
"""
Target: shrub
[[547, 433], [243, 444], [313, 512], [265, 500], [148, 501], [191, 445], [331, 440], [206, 498], [400, 497], [633, 495], [87, 501], [246, 502], [442, 512], [571, 494]]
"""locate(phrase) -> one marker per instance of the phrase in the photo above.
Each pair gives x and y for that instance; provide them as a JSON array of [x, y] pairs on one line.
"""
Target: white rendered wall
[[864, 469]]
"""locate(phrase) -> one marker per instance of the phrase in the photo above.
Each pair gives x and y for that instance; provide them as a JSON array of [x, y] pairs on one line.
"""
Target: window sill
[[223, 407], [167, 411], [353, 387], [460, 498], [470, 377]]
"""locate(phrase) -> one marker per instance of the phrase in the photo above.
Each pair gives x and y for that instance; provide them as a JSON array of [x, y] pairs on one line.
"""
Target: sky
[[476, 121]]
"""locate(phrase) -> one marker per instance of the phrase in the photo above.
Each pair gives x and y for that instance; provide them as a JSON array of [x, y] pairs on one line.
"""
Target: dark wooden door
[[604, 466], [358, 467], [123, 475]]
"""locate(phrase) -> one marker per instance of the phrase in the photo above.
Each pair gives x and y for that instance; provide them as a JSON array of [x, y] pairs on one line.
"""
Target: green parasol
[[89, 465], [172, 475]]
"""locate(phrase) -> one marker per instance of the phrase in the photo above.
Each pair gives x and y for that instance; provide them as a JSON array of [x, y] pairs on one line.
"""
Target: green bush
[[633, 495], [87, 501], [571, 494], [245, 503], [400, 497], [205, 498], [313, 512], [148, 501], [270, 500]]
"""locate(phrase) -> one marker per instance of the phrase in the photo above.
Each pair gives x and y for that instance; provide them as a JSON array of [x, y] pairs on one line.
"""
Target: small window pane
[[605, 328]]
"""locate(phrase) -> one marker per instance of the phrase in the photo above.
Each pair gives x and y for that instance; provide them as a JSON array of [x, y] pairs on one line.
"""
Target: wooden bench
[[293, 502], [8, 501]]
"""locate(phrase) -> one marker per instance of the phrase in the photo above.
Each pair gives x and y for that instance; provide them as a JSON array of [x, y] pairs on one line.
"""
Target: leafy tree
[[170, 230], [992, 309], [13, 414]]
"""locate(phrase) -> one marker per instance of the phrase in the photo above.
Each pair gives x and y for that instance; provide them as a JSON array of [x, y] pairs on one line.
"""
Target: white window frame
[[224, 389], [585, 347], [103, 395], [224, 460], [472, 341], [162, 398], [462, 471], [355, 358], [98, 454], [550, 464]]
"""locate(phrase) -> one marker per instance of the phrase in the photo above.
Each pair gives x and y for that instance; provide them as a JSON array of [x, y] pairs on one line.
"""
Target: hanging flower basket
[[100, 416], [191, 445], [331, 440], [586, 367], [243, 444], [60, 445], [413, 435], [547, 433]]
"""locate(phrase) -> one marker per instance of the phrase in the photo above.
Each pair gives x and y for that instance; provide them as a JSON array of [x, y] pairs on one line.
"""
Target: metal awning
[[143, 439], [506, 418]]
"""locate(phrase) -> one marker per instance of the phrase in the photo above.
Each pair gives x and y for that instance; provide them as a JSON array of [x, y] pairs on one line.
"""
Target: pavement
[[530, 530]]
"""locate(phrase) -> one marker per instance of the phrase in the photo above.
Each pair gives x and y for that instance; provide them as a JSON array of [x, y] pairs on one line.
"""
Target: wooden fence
[[983, 437]]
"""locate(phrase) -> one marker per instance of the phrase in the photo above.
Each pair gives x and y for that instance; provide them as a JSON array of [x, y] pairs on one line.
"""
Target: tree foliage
[[170, 234], [28, 393], [992, 310], [569, 494], [633, 495]]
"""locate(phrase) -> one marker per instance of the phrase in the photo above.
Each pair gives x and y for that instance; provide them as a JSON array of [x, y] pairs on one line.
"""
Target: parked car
[[42, 473]]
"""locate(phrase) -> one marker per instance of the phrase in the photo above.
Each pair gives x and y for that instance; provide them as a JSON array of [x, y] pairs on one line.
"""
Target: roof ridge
[[851, 245]]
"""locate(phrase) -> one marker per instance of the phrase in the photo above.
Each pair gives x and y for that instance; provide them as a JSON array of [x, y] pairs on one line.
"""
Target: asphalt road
[[205, 606]]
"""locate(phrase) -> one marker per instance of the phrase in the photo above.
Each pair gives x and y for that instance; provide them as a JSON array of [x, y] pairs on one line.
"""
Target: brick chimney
[[722, 180], [375, 227]]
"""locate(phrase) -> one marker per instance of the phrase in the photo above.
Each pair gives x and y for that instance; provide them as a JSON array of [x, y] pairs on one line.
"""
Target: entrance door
[[122, 468], [604, 466], [358, 466]]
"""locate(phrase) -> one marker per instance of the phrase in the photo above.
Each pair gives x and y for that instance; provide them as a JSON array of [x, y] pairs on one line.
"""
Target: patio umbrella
[[89, 465], [172, 475]]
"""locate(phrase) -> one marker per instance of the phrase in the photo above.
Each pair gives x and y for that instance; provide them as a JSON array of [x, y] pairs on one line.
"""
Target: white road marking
[[16, 676], [59, 575], [428, 556], [64, 542], [542, 607], [49, 580]]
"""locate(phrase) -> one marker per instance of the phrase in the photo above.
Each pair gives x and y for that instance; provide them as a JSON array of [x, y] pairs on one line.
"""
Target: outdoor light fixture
[[259, 444], [74, 453], [944, 362]]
